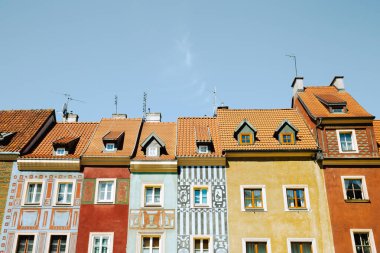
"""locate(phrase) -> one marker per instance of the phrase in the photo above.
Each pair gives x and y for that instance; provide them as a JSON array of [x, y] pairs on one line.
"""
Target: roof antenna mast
[[214, 102], [144, 104], [116, 103], [295, 61], [65, 108]]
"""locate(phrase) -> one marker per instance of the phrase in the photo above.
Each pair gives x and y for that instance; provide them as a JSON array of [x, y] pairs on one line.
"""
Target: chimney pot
[[70, 118], [297, 85], [338, 82]]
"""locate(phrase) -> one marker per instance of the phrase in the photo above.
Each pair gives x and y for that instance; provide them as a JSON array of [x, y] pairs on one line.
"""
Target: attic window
[[333, 103], [5, 137], [153, 145], [203, 149], [203, 139], [152, 151], [286, 133], [65, 145], [60, 151], [113, 141], [245, 133]]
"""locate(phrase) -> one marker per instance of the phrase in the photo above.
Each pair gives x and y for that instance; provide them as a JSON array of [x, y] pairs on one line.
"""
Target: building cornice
[[351, 161], [105, 160], [154, 166], [49, 164], [201, 161]]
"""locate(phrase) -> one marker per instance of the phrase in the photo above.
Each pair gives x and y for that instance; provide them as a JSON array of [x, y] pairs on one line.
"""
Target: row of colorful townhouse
[[298, 180]]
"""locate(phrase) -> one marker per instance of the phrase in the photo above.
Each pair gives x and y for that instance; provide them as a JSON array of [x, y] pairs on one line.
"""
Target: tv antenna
[[116, 103], [295, 61], [65, 110], [145, 97], [214, 102]]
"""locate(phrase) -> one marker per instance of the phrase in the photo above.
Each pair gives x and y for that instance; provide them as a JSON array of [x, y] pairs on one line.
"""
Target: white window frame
[[192, 196], [311, 240], [56, 191], [354, 142], [200, 237], [141, 235], [147, 185], [48, 239], [108, 149], [94, 234], [98, 181], [57, 153], [307, 197], [25, 192], [266, 240], [200, 149], [370, 235], [150, 149], [364, 187], [35, 241], [263, 193]]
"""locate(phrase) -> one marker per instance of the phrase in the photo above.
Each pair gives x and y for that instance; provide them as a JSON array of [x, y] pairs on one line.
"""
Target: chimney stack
[[119, 116], [297, 85], [338, 83], [153, 117], [70, 118]]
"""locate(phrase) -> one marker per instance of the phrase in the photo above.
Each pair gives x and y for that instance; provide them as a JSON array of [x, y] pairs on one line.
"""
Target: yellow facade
[[276, 223]]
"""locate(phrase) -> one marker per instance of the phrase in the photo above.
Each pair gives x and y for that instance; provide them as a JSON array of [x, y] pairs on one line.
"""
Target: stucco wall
[[346, 216], [5, 177], [169, 180], [276, 223]]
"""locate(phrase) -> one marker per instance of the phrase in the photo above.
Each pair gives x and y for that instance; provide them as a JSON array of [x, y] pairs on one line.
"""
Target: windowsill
[[303, 209], [349, 151], [201, 206], [253, 210], [63, 204], [32, 204], [153, 206], [357, 201], [105, 203]]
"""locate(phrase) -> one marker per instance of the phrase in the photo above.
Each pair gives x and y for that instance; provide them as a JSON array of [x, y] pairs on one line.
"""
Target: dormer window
[[60, 151], [5, 137], [286, 133], [113, 141], [203, 149], [333, 103], [110, 147], [153, 146], [245, 133]]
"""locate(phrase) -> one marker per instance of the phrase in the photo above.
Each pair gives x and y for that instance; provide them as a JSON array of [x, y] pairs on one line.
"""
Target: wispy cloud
[[184, 45]]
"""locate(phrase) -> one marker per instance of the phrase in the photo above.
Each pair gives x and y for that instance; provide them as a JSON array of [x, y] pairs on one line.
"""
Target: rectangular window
[[150, 244], [256, 247], [246, 138], [60, 151], [58, 244], [110, 146], [64, 193], [295, 198], [101, 244], [153, 196], [106, 190], [354, 188], [301, 247], [286, 138], [201, 245], [33, 194], [203, 149], [362, 241], [200, 196], [253, 198], [347, 141], [152, 151], [25, 244]]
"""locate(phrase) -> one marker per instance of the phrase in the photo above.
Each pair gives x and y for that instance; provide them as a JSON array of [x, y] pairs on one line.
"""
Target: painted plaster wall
[[104, 217], [5, 177], [346, 216], [276, 223], [169, 181], [42, 220]]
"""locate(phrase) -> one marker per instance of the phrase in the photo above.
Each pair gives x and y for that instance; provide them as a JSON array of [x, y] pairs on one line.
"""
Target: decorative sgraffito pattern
[[5, 176], [43, 219], [152, 219], [210, 221]]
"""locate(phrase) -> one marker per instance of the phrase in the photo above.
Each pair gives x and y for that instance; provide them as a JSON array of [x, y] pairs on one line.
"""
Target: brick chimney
[[338, 83], [297, 85]]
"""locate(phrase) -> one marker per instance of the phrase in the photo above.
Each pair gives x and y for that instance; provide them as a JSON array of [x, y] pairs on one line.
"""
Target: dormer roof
[[150, 138], [113, 135], [283, 124], [243, 123], [331, 100], [65, 141]]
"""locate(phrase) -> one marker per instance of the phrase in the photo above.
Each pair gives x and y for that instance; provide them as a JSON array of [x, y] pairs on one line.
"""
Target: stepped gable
[[265, 122]]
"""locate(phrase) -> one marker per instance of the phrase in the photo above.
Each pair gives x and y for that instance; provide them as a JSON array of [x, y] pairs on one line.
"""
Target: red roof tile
[[24, 124]]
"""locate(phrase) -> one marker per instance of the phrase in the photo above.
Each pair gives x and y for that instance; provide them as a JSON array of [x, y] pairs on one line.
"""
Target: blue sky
[[178, 51]]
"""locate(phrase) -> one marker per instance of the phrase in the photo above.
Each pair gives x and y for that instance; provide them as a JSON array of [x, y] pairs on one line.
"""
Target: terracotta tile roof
[[330, 99], [65, 140], [266, 122], [166, 131], [188, 135], [24, 124], [113, 135], [376, 127], [310, 98], [113, 127], [44, 149]]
